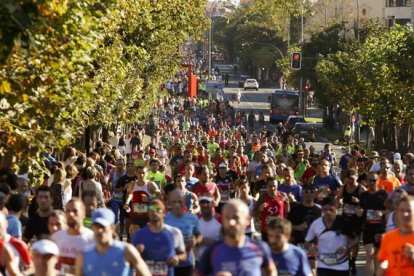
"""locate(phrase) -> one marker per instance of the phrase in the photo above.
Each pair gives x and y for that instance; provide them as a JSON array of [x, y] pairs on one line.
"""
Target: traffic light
[[296, 62], [306, 87]]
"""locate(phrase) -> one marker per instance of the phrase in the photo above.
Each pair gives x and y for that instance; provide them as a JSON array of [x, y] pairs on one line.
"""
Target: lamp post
[[357, 2], [210, 38]]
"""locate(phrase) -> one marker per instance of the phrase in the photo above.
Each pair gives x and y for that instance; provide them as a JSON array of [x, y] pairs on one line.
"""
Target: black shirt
[[371, 204], [36, 226], [300, 214], [124, 180], [135, 141]]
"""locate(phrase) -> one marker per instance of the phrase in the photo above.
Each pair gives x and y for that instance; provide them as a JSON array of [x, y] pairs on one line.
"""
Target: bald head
[[235, 219], [236, 205], [177, 202]]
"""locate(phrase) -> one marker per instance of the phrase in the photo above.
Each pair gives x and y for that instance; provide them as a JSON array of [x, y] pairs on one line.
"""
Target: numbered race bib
[[322, 192], [157, 268], [329, 258], [350, 209], [225, 196], [118, 196], [140, 208], [373, 217]]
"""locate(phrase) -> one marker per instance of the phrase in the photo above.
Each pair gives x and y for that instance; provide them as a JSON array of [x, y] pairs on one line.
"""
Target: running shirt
[[115, 178], [388, 184], [159, 247], [391, 250], [300, 214], [331, 182], [374, 210], [188, 224], [209, 229], [292, 262], [70, 246], [191, 181], [247, 260], [158, 178], [329, 240], [295, 189], [225, 187], [110, 263], [210, 189], [122, 182], [139, 208], [350, 207], [273, 209]]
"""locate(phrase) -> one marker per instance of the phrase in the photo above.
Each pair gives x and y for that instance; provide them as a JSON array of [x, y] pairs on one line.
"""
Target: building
[[388, 12]]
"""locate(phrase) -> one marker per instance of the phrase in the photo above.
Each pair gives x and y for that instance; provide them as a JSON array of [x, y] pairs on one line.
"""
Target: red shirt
[[210, 189], [273, 209], [309, 173]]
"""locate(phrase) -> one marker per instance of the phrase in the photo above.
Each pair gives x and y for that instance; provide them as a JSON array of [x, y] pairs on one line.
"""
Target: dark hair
[[12, 180], [81, 160], [5, 188], [270, 179], [309, 187], [281, 224], [43, 188], [169, 188], [16, 203], [329, 200]]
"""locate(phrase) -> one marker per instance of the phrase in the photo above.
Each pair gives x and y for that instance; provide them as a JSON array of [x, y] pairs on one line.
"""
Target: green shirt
[[158, 178], [302, 169], [212, 147], [87, 222]]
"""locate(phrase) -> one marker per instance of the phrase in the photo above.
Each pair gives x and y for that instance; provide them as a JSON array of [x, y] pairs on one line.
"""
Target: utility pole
[[210, 38], [301, 93], [357, 124]]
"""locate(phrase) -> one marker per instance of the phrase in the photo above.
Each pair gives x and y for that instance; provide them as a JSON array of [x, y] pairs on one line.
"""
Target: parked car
[[304, 130], [292, 120], [251, 84], [242, 80]]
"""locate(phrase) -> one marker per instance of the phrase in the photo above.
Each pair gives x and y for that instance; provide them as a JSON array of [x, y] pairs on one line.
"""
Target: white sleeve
[[311, 235], [178, 238]]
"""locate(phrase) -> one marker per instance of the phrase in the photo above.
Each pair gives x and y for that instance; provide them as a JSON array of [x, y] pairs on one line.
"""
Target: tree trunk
[[105, 135], [403, 140], [379, 136]]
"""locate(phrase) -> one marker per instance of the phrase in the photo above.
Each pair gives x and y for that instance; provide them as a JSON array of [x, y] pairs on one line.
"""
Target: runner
[[73, 240], [271, 205], [335, 237], [224, 183], [108, 256], [233, 255], [289, 259], [191, 199], [372, 209], [250, 201], [205, 187], [155, 175], [45, 258], [397, 247], [350, 194], [326, 183], [290, 187], [140, 192], [387, 179], [57, 221], [188, 224], [162, 246]]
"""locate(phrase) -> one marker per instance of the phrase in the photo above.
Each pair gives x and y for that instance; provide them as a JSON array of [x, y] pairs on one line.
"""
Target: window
[[399, 3]]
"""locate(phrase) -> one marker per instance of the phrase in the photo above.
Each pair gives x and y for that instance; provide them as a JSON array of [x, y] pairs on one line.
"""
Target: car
[[304, 130], [292, 120], [251, 84], [242, 80]]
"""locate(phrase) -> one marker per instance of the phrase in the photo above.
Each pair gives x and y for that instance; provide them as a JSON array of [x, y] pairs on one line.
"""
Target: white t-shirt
[[70, 246], [209, 229], [179, 244], [252, 168]]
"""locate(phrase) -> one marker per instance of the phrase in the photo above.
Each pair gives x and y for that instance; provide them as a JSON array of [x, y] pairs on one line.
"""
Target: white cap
[[265, 144], [397, 156], [223, 165], [207, 198], [45, 247]]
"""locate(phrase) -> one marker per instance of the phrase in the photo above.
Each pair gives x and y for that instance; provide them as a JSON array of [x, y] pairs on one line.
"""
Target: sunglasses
[[387, 168], [308, 192], [156, 208], [373, 180]]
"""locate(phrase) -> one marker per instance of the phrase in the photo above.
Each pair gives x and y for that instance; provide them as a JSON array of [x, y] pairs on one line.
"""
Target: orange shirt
[[389, 184], [391, 250], [256, 147]]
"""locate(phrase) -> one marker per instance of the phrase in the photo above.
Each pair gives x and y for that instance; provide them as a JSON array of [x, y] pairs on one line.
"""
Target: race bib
[[329, 258], [140, 208], [157, 268], [225, 195], [322, 192], [118, 196], [373, 217], [350, 209]]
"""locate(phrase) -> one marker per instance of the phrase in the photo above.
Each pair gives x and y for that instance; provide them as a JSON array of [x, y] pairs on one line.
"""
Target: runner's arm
[[79, 265], [8, 262], [339, 196], [129, 194], [196, 204], [217, 196], [135, 260], [154, 190]]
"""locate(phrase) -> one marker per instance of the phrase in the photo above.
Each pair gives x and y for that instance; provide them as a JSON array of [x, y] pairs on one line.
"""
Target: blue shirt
[[343, 162], [292, 262], [158, 247], [331, 182], [110, 263], [14, 227], [295, 189], [191, 182], [188, 224], [239, 261]]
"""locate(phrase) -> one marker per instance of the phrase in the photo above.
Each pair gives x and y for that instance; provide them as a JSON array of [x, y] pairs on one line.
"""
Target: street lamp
[[210, 38], [357, 2]]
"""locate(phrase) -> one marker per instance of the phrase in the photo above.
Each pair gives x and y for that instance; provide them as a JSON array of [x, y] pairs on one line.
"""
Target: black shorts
[[368, 237], [264, 237], [356, 223], [331, 272], [141, 222]]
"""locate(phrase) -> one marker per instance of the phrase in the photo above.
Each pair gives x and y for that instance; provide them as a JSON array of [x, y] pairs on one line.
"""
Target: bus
[[283, 104]]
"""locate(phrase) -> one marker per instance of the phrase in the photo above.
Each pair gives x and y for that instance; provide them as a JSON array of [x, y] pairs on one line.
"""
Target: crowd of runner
[[210, 194]]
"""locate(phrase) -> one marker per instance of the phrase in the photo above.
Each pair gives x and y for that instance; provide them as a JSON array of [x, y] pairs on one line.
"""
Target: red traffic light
[[296, 56], [296, 62], [306, 87]]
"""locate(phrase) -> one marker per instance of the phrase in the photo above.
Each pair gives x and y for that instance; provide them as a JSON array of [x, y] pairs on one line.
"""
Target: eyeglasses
[[387, 168]]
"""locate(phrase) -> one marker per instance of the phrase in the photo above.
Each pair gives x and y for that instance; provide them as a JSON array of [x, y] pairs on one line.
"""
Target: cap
[[206, 198], [45, 247], [265, 144], [223, 165], [157, 202], [397, 156], [352, 173], [234, 155], [374, 154], [104, 217], [152, 151]]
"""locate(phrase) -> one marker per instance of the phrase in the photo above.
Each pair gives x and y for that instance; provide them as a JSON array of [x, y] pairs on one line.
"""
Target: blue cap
[[104, 217]]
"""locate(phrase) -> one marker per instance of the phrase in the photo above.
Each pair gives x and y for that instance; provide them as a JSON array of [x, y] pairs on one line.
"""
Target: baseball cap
[[152, 151], [265, 144], [223, 165], [397, 156], [206, 198], [104, 217], [45, 247]]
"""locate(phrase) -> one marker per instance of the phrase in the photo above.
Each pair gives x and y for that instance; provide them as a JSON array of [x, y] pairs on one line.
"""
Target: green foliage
[[66, 65]]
